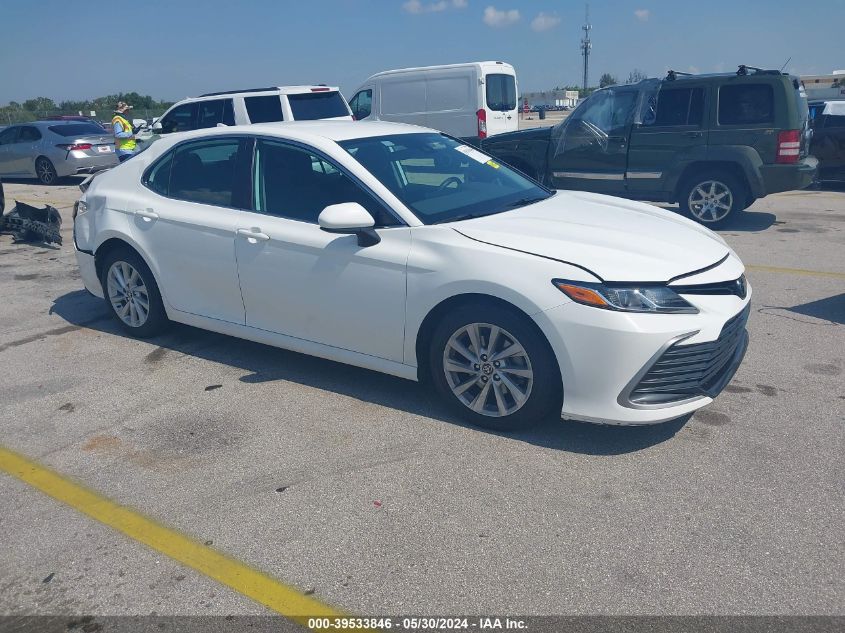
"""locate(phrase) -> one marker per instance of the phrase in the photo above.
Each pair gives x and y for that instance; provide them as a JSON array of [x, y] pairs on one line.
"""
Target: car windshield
[[441, 179], [317, 105], [78, 129]]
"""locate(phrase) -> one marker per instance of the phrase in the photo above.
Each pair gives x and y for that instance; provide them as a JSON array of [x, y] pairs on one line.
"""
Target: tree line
[[32, 109]]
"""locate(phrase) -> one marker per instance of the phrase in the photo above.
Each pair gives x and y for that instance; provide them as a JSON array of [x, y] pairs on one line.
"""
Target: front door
[[673, 131], [185, 220], [589, 150], [301, 281]]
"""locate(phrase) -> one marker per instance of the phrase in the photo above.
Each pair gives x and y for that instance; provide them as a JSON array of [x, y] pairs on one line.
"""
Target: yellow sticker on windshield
[[492, 164]]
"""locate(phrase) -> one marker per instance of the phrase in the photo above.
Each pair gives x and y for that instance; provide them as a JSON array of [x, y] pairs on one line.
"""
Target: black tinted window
[[206, 172], [678, 106], [363, 104], [8, 135], [317, 105], [210, 113], [501, 92], [28, 134], [158, 178], [294, 183], [78, 129], [748, 104], [834, 121], [264, 109], [180, 119]]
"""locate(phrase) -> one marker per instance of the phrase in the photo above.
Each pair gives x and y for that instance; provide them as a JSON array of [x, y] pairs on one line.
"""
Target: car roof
[[284, 90], [303, 130]]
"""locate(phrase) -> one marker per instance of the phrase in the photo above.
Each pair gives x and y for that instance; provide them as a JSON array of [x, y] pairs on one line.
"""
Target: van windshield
[[311, 106], [501, 92], [441, 179]]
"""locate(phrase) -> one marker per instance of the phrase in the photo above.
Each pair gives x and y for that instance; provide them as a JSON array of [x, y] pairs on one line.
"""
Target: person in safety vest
[[124, 133]]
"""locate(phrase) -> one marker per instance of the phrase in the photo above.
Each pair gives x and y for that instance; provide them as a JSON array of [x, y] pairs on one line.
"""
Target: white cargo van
[[473, 100]]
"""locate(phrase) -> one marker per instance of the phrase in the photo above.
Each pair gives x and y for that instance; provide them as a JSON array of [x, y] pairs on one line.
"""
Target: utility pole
[[586, 45]]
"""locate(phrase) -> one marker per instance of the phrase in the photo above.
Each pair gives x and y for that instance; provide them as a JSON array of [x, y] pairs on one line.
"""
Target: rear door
[[589, 151], [673, 131], [744, 114], [500, 103]]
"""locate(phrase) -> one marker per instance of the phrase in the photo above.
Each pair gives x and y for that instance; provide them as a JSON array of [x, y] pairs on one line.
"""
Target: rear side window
[[78, 129], [8, 135], [684, 106], [501, 92], [158, 178], [748, 104], [317, 105], [29, 133], [264, 109], [207, 172], [210, 113]]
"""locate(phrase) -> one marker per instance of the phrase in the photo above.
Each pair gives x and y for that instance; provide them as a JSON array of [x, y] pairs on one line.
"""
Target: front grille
[[702, 369]]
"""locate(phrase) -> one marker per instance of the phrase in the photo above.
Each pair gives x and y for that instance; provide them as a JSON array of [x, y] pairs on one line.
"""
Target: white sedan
[[401, 250]]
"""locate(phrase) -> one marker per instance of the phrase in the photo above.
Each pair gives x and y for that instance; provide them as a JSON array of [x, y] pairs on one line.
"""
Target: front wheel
[[494, 368], [45, 171], [710, 198]]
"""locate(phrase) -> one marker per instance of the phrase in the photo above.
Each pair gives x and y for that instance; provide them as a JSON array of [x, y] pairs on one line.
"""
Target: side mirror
[[349, 218], [157, 126]]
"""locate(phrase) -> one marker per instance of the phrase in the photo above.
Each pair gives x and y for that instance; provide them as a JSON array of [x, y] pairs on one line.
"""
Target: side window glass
[[206, 172], [29, 134], [7, 136], [228, 112], [291, 182], [209, 113], [180, 119], [264, 109], [353, 105], [365, 104], [748, 104], [677, 106], [158, 178]]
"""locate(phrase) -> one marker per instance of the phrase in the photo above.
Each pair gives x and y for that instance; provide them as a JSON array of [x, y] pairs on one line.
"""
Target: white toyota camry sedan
[[401, 250]]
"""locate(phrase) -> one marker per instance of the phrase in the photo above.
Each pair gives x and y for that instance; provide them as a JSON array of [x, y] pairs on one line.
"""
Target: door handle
[[147, 214], [693, 134], [254, 234]]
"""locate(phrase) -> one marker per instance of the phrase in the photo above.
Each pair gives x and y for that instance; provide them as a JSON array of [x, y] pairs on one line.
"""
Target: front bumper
[[778, 178], [604, 355]]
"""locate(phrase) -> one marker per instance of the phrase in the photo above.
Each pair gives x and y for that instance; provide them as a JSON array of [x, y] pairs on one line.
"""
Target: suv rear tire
[[711, 197]]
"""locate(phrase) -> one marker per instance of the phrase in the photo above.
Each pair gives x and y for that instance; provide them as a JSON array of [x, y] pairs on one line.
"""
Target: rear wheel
[[45, 171], [711, 197], [494, 368], [132, 294]]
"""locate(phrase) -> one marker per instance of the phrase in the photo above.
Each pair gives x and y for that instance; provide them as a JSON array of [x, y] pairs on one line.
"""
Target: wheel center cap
[[487, 369]]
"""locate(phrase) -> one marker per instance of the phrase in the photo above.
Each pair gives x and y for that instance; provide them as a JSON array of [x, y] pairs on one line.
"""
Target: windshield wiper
[[458, 218], [522, 202]]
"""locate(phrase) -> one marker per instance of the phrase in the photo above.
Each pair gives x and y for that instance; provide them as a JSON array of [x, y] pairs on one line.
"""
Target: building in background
[[551, 98], [825, 86]]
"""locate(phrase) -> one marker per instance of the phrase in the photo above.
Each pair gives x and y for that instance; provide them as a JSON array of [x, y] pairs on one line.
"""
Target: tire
[[712, 197], [119, 265], [510, 401], [46, 172]]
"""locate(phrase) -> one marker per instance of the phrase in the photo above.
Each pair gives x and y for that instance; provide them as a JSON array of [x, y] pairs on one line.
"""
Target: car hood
[[617, 240]]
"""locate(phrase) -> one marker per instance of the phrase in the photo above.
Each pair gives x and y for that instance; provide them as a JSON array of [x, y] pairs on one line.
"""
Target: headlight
[[626, 298]]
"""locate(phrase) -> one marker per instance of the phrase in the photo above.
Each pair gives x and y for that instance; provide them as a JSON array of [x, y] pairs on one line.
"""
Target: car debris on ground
[[31, 224]]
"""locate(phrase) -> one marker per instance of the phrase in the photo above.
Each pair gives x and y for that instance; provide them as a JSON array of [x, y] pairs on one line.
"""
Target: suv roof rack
[[672, 75], [743, 70], [232, 92]]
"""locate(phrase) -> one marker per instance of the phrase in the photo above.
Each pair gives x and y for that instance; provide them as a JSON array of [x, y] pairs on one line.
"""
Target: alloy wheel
[[46, 172], [488, 369], [128, 294], [710, 201]]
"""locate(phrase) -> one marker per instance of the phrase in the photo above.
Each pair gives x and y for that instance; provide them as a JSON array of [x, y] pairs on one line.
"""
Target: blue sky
[[171, 49]]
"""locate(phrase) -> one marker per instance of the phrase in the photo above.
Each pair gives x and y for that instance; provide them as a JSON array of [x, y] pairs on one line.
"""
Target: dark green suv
[[712, 143]]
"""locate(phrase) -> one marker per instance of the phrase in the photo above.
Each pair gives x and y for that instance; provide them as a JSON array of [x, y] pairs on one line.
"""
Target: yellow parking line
[[285, 600], [796, 271]]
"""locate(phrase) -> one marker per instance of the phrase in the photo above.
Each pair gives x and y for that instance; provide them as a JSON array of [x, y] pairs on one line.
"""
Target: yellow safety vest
[[123, 143]]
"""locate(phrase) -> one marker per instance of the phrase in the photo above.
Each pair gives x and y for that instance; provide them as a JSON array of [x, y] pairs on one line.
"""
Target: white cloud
[[642, 14], [544, 22], [416, 6], [498, 19], [695, 70]]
